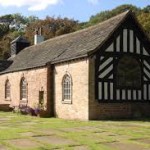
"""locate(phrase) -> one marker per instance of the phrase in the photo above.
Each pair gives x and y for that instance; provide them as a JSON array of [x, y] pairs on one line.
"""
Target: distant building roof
[[4, 20], [20, 39]]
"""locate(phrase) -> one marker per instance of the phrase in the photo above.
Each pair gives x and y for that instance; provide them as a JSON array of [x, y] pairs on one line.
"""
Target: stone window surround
[[68, 87], [7, 91], [23, 89]]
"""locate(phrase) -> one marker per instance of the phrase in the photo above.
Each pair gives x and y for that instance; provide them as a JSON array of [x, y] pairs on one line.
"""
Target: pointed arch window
[[7, 90], [67, 88], [129, 73], [23, 89]]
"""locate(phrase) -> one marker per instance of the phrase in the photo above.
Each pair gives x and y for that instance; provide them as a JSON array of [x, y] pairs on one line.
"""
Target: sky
[[80, 10]]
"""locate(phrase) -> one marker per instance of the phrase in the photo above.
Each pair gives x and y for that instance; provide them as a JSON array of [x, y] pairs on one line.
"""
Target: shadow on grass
[[141, 119]]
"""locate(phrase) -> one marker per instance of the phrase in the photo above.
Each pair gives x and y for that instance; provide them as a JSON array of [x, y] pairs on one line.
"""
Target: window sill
[[66, 102], [23, 101], [8, 99]]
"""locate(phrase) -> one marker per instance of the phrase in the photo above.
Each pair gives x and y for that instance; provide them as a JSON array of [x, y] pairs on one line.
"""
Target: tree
[[144, 19], [51, 27], [3, 30], [104, 15], [146, 9], [31, 19], [8, 17]]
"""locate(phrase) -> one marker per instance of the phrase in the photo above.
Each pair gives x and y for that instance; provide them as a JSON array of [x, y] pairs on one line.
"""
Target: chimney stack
[[38, 38]]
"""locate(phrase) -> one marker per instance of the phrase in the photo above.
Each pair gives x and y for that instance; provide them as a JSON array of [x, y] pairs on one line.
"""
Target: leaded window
[[128, 73], [23, 89], [7, 90], [67, 88]]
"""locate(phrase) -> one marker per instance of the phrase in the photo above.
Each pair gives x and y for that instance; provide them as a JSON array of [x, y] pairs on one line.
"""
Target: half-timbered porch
[[122, 73]]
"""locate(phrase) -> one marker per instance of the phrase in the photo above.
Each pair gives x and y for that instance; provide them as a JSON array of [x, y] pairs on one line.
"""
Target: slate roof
[[4, 64], [66, 47]]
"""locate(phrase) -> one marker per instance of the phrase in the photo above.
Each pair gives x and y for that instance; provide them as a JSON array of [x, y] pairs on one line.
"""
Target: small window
[[128, 73], [41, 97], [67, 88], [23, 89], [7, 90]]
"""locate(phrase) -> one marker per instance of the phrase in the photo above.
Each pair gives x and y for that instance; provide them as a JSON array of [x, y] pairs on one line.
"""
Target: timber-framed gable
[[128, 40]]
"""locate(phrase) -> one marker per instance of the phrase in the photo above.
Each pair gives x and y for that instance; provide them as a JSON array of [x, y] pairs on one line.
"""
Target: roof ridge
[[82, 30]]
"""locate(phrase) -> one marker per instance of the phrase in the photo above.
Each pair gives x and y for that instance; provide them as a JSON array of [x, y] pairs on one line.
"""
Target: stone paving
[[23, 143], [34, 141], [125, 146], [3, 147], [37, 135], [53, 139]]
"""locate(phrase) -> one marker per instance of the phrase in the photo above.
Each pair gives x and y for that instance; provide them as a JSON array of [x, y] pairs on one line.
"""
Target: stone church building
[[99, 72]]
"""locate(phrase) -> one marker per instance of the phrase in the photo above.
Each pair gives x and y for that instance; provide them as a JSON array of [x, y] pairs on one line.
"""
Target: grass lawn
[[18, 132]]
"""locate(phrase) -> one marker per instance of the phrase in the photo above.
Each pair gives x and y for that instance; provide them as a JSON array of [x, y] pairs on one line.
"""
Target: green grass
[[92, 135]]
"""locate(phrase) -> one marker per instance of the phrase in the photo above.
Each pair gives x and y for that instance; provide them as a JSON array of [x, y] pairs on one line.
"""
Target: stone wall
[[78, 109], [36, 80], [83, 106], [5, 107], [99, 110]]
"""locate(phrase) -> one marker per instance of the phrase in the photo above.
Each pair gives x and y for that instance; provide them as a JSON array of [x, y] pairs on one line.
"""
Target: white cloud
[[94, 2], [33, 5]]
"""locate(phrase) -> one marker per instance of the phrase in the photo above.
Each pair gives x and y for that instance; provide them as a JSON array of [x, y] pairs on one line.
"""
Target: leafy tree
[[144, 19], [51, 27], [8, 17], [19, 18], [143, 16], [3, 29], [102, 16], [146, 9], [31, 19]]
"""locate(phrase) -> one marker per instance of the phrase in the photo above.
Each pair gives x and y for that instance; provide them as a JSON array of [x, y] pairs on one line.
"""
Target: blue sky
[[76, 9]]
